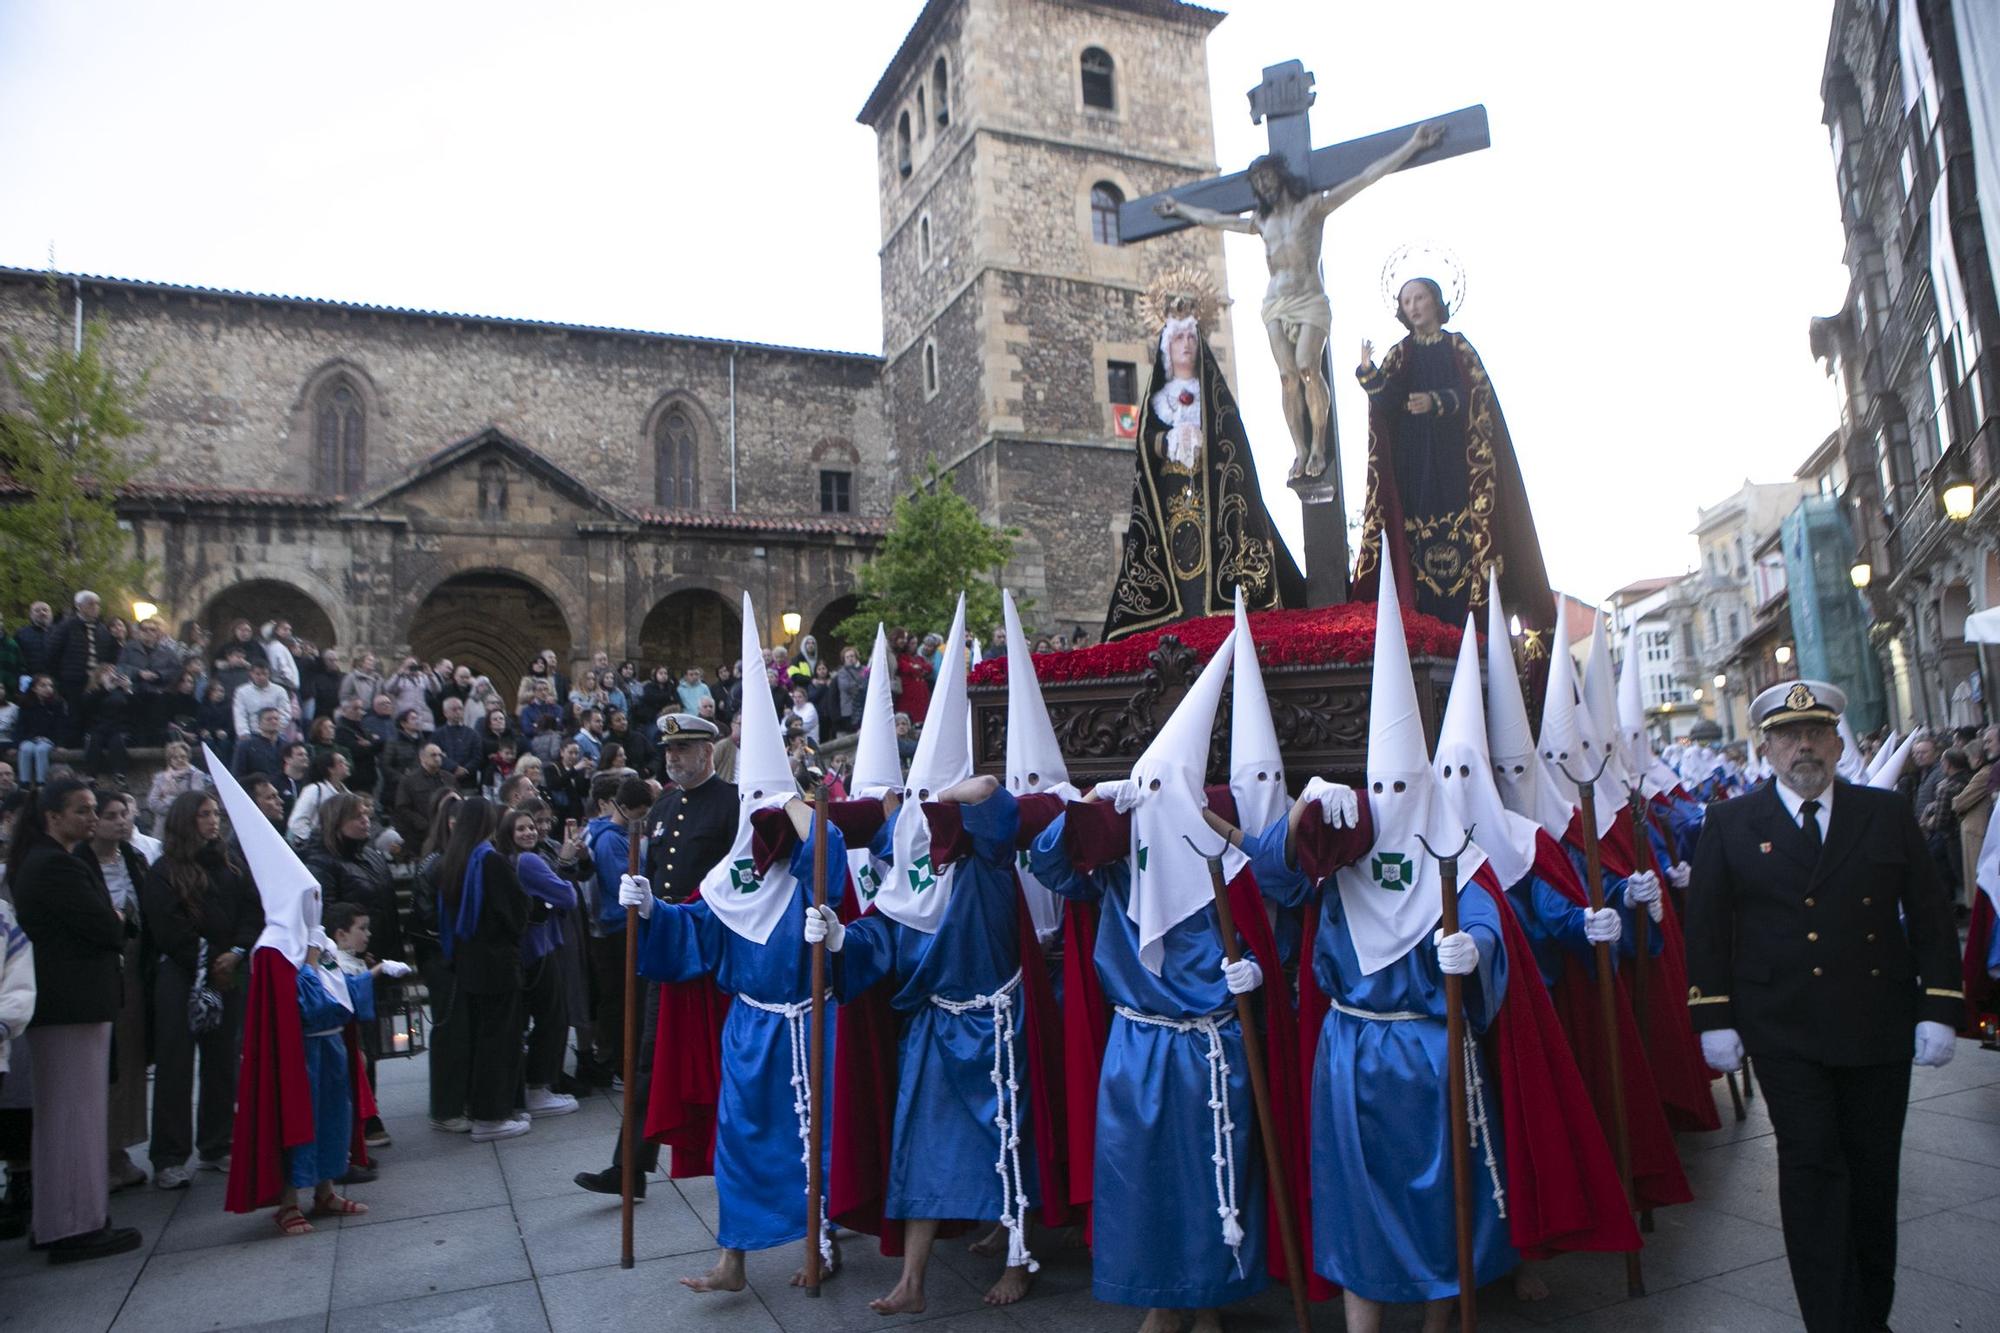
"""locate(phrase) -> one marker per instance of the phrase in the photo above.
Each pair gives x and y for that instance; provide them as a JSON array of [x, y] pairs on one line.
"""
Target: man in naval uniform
[[1819, 942], [687, 831]]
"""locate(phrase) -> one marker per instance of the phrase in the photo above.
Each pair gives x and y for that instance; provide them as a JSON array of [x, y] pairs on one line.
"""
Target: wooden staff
[[816, 1057], [1455, 1131], [1260, 1095], [628, 1137], [1642, 937], [1607, 1003]]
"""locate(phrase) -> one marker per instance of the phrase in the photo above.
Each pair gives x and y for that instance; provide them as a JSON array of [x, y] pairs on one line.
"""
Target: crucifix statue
[[1288, 194]]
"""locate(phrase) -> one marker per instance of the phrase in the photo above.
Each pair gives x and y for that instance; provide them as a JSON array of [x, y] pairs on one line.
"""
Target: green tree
[[59, 445], [937, 546]]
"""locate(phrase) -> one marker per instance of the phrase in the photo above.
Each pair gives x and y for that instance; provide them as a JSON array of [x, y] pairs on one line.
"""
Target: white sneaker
[[486, 1131], [458, 1124], [172, 1178], [542, 1102]]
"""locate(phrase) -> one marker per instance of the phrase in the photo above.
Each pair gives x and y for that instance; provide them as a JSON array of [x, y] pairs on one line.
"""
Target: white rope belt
[[1221, 1125], [1479, 1129], [1006, 1115], [795, 1016]]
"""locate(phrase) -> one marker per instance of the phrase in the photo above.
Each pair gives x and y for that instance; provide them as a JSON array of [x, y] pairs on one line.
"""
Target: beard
[[1806, 775]]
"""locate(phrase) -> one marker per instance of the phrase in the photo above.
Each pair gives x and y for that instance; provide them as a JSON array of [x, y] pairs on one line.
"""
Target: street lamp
[[143, 611], [1862, 574], [790, 620], [1783, 654], [1721, 681], [1958, 493], [1698, 694]]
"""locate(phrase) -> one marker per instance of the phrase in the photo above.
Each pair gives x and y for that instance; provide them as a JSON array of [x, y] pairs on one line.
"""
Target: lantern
[[401, 1023]]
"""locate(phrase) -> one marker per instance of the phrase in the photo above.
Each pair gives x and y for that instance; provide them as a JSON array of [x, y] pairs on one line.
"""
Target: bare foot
[[827, 1271], [1011, 1287], [992, 1245], [1316, 461], [904, 1298], [1528, 1284], [1207, 1321], [1296, 471], [1161, 1321], [727, 1275]]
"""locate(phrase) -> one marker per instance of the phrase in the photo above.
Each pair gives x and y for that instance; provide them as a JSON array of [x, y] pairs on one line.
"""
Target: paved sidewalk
[[472, 1238]]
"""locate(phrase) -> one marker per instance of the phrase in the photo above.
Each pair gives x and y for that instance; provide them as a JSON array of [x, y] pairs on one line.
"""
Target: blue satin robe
[[1381, 1163], [760, 1173], [946, 1143], [322, 1020], [1157, 1235]]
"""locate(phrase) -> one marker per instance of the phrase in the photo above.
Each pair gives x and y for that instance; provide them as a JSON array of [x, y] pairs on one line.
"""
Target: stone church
[[481, 488]]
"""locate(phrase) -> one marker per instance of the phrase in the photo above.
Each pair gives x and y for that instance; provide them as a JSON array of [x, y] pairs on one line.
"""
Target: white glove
[[1936, 1044], [1644, 889], [1337, 803], [1242, 976], [1124, 794], [1679, 873], [395, 970], [821, 924], [1458, 956], [634, 891], [1602, 926], [1723, 1050]]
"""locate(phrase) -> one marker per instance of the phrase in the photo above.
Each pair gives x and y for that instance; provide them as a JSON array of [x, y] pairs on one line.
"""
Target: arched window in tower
[[675, 443], [923, 114], [903, 144], [1104, 200], [930, 370], [340, 437], [1098, 89], [941, 93], [924, 241]]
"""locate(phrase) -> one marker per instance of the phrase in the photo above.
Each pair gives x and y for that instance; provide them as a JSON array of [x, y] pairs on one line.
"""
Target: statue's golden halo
[[1424, 259], [1188, 289]]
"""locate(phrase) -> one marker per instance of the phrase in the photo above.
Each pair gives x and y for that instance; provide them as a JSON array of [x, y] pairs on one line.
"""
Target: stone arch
[[692, 626], [827, 618], [492, 620], [261, 600], [1097, 79], [941, 92], [303, 463], [706, 448]]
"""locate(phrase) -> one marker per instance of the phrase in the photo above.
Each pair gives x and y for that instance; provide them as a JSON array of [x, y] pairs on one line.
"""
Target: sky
[[1645, 242]]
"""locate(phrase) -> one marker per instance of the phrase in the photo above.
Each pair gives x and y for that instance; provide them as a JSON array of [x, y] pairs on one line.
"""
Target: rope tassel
[[795, 1016], [1221, 1124], [1006, 1079]]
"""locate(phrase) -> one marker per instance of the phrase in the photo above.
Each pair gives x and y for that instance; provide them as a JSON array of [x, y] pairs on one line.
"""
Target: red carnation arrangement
[[1341, 635]]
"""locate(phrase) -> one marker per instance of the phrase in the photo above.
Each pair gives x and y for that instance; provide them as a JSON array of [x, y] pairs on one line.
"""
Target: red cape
[[1657, 1177], [1682, 1075], [273, 1095], [865, 1068], [360, 1092], [1979, 988], [1562, 1183]]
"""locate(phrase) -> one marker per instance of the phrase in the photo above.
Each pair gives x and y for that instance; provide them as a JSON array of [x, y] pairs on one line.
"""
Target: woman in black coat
[[482, 914], [350, 870], [79, 940]]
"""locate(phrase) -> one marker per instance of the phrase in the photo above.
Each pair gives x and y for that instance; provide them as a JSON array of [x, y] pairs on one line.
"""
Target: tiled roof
[[407, 312], [174, 490], [723, 520]]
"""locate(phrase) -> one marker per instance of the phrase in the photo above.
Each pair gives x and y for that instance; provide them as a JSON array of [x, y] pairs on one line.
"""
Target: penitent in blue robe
[[760, 1172], [1381, 1163], [1156, 1236], [946, 1140], [322, 1020]]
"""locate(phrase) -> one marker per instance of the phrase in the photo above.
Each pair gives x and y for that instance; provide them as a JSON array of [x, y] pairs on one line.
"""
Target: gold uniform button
[[1812, 936], [1867, 902], [1811, 903], [1874, 971], [1819, 971], [1871, 937]]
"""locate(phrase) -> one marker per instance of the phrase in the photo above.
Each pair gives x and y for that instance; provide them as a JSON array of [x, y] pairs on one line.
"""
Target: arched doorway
[[830, 615], [493, 622], [693, 627], [262, 600]]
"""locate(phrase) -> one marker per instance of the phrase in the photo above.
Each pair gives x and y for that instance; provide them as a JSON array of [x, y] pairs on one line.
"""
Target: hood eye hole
[[1465, 770], [1154, 785], [1263, 777], [1520, 769], [1378, 789], [1445, 772], [1399, 786], [924, 794], [1034, 779]]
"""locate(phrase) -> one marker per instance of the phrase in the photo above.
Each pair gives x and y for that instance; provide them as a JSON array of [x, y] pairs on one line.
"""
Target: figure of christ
[[1297, 316]]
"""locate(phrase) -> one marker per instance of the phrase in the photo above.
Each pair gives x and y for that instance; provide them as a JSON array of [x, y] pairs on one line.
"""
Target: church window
[[1121, 380], [941, 93], [903, 144], [923, 112], [924, 241], [493, 491], [1104, 200], [1097, 79], [836, 492], [674, 447], [930, 370], [339, 437]]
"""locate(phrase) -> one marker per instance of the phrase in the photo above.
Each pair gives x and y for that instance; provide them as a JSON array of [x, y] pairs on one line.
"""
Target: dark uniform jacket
[[1835, 961], [688, 831]]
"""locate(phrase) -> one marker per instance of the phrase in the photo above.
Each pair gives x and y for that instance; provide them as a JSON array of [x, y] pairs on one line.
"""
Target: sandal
[[333, 1205], [293, 1222]]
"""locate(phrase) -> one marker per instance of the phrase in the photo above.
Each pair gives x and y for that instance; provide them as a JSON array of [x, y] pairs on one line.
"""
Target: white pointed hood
[[1567, 745], [878, 770], [742, 900], [1599, 718], [289, 893], [1035, 761], [1881, 755], [1851, 766], [1526, 785], [917, 892], [1891, 771], [1256, 766], [1465, 773], [1169, 878], [1392, 896], [1655, 777]]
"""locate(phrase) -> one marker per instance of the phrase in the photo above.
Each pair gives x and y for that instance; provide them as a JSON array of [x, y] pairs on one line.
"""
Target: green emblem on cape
[[869, 881], [1392, 870], [743, 875], [1143, 849], [1021, 858], [921, 877]]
